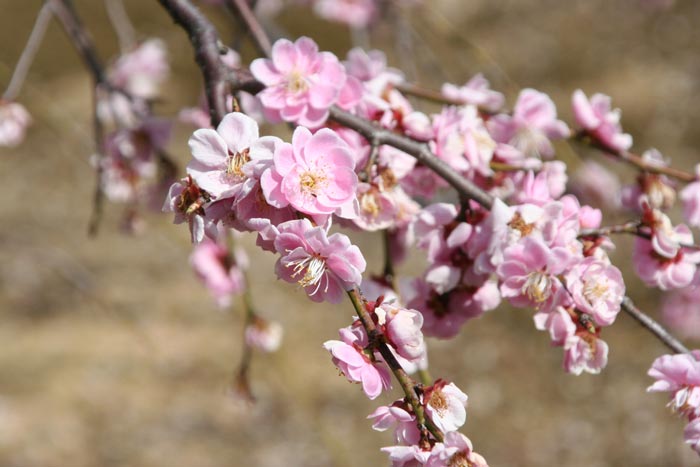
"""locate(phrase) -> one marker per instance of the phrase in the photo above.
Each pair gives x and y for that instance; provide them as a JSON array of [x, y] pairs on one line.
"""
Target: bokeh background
[[113, 354]]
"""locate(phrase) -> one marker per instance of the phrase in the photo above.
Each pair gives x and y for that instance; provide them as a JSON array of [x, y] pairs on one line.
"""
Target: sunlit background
[[114, 355]]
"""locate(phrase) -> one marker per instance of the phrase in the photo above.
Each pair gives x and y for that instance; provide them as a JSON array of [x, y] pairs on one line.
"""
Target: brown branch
[[205, 43], [246, 18], [653, 326]]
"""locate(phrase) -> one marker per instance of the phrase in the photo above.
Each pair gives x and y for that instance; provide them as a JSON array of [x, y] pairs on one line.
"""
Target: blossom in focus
[[403, 330], [315, 175], [219, 155], [597, 288], [404, 423], [301, 83], [14, 120], [456, 450], [476, 92], [679, 374], [326, 266], [690, 197], [531, 127], [216, 268], [349, 356], [264, 335], [600, 121], [585, 352], [446, 405]]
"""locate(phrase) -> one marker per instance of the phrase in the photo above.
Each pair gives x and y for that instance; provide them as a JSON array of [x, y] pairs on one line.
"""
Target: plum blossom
[[690, 197], [354, 13], [141, 71], [679, 374], [403, 330], [600, 121], [475, 92], [680, 310], [446, 405], [349, 356], [315, 175], [219, 155], [585, 352], [405, 428], [456, 450], [597, 288], [531, 127], [301, 83], [187, 201], [326, 266], [264, 335], [216, 268], [406, 456], [14, 120]]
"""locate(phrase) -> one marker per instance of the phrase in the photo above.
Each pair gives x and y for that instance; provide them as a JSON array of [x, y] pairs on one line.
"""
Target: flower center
[[368, 203], [313, 267], [234, 162], [438, 402], [311, 182], [519, 224], [459, 460], [538, 286], [528, 141], [296, 82], [596, 290]]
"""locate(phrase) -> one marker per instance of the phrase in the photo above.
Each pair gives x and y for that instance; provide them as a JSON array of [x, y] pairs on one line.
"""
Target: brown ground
[[114, 355]]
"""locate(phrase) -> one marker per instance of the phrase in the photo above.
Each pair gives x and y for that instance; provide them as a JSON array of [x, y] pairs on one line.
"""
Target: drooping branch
[[201, 31], [207, 53]]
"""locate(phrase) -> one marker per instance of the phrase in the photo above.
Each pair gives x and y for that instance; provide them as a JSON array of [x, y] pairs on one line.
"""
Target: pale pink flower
[[529, 274], [14, 120], [349, 356], [141, 71], [692, 434], [301, 83], [403, 330], [476, 91], [679, 374], [264, 335], [378, 209], [600, 121], [220, 155], [315, 175], [456, 450], [585, 353], [446, 405], [558, 323], [690, 196], [365, 65], [326, 266], [186, 200], [597, 288], [406, 456], [354, 13], [404, 423], [531, 127], [594, 184], [216, 268], [547, 185]]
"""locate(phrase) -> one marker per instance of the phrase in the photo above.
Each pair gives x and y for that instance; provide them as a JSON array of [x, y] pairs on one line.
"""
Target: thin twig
[[28, 54], [653, 326], [246, 17], [121, 24]]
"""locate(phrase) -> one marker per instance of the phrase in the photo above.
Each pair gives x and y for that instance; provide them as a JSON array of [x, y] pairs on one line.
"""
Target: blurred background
[[113, 354]]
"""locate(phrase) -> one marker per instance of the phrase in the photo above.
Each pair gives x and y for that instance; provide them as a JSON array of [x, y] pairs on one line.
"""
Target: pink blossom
[[354, 13], [679, 374], [349, 356], [690, 196], [378, 209], [680, 310], [585, 352], [403, 330], [692, 434], [531, 127], [558, 323], [600, 122], [404, 423], [597, 288], [476, 92], [315, 175], [325, 266], [219, 155], [220, 274], [141, 71], [264, 335], [529, 274], [541, 188], [14, 120], [456, 450], [446, 405], [365, 65], [406, 456], [301, 82]]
